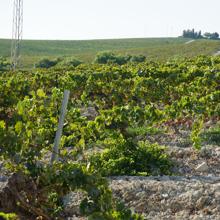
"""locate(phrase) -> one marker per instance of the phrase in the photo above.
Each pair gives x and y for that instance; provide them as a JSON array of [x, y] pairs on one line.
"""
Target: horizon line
[[93, 39]]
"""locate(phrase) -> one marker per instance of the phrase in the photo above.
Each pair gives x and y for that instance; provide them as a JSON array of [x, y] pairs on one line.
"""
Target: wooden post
[[59, 131]]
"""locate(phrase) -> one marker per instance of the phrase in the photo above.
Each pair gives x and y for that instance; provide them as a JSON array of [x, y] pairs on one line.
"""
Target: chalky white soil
[[193, 193]]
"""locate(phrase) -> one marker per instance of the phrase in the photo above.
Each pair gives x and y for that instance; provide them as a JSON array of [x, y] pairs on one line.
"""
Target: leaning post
[[59, 131]]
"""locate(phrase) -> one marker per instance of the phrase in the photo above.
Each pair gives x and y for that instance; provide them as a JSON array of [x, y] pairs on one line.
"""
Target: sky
[[103, 19]]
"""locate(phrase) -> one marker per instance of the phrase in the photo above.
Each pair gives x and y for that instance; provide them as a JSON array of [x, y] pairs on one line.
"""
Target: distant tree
[[207, 35], [192, 34], [213, 36], [184, 33], [198, 35]]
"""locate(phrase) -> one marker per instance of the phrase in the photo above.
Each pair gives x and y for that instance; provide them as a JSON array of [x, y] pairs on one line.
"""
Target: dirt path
[[190, 41]]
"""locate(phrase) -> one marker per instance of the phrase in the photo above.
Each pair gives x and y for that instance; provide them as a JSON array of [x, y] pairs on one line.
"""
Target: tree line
[[198, 34]]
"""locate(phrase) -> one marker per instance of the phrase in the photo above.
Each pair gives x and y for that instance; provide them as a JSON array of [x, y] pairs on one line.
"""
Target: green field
[[152, 48]]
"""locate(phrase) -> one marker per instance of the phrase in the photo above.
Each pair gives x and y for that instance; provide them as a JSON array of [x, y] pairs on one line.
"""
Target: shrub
[[138, 58], [122, 59], [70, 62], [109, 57], [128, 159], [4, 64], [46, 63], [105, 57]]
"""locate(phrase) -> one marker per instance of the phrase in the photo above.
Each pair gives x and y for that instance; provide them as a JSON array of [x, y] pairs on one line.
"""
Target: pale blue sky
[[92, 19]]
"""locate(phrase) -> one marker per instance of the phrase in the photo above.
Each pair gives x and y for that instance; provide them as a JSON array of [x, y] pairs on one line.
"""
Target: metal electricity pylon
[[16, 32]]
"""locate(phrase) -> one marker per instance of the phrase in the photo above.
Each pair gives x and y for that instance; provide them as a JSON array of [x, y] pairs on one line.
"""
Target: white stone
[[203, 167], [165, 195]]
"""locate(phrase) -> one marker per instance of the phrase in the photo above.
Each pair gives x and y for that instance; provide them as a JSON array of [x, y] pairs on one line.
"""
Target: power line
[[16, 32]]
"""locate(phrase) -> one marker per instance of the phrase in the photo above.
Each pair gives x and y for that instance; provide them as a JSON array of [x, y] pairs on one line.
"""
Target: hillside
[[153, 48], [148, 131]]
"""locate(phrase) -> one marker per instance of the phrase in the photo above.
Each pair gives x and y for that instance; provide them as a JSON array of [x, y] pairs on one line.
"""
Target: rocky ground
[[192, 193], [170, 197]]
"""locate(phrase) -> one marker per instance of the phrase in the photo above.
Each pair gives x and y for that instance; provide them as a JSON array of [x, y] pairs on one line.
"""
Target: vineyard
[[115, 117]]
